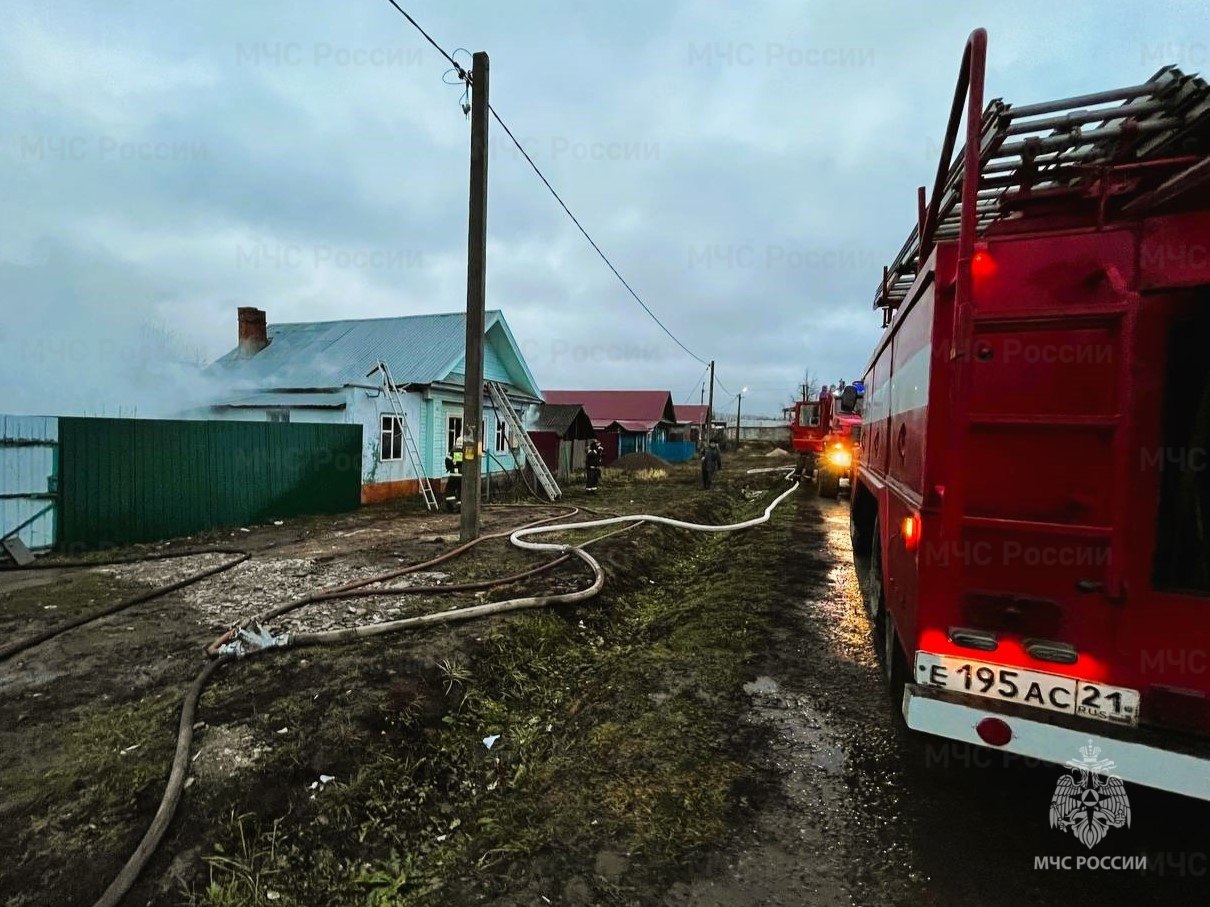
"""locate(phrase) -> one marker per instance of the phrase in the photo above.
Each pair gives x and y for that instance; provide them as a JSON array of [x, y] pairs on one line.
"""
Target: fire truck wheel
[[829, 484], [894, 669], [873, 585], [806, 467], [858, 533]]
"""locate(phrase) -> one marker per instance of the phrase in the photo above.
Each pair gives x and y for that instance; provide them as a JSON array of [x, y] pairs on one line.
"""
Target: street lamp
[[739, 400]]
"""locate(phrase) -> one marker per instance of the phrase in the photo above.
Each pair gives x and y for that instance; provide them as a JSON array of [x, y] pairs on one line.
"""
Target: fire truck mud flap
[[942, 714]]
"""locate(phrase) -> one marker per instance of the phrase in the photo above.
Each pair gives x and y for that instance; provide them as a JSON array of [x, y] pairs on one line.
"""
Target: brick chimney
[[253, 332]]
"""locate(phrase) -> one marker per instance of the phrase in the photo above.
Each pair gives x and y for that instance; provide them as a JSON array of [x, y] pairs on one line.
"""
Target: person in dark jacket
[[592, 466], [453, 479], [712, 462]]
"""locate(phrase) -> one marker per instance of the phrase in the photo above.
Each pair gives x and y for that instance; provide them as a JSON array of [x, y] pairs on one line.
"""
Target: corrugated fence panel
[[674, 451], [28, 458], [140, 480]]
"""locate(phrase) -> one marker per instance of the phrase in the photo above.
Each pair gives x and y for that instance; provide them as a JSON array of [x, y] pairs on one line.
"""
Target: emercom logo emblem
[[1090, 800]]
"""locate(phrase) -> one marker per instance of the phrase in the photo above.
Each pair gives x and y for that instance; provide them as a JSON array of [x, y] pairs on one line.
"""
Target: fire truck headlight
[[841, 459]]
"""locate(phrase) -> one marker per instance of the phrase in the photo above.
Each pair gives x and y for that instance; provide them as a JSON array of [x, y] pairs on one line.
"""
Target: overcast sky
[[749, 167]]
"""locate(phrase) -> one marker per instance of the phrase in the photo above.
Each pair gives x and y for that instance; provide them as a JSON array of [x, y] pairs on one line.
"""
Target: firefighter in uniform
[[453, 479], [592, 466]]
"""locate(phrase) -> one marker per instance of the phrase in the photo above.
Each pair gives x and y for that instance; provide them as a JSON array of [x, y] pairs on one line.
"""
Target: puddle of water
[[803, 742]]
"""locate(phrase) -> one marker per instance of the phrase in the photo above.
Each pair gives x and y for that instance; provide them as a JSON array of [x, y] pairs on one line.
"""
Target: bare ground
[[358, 774], [712, 731]]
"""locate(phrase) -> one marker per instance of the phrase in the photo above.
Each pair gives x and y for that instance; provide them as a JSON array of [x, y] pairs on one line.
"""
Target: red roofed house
[[626, 421], [692, 417]]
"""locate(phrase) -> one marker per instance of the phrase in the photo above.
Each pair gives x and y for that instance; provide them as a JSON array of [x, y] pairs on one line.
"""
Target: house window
[[453, 433], [391, 445], [278, 415], [501, 436]]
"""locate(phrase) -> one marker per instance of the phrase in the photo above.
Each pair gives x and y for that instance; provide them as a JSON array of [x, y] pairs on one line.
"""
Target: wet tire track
[[851, 808]]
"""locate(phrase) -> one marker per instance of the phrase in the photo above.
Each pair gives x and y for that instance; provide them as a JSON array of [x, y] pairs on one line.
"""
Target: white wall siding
[[426, 415], [367, 407]]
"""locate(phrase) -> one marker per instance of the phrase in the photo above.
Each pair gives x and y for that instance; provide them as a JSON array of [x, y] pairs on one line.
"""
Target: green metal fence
[[140, 480]]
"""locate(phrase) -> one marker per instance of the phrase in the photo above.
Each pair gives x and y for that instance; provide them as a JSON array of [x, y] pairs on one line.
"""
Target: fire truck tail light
[[994, 731], [982, 264], [909, 531]]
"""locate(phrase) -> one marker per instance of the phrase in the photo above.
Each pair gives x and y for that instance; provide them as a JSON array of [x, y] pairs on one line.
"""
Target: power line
[[689, 396], [462, 73], [465, 76], [592, 242]]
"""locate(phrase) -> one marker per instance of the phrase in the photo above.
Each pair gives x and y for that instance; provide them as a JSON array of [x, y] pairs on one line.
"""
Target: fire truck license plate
[[1037, 688]]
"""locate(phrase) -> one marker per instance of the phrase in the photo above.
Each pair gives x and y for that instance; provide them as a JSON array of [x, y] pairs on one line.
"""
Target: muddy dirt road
[[712, 730], [859, 811]]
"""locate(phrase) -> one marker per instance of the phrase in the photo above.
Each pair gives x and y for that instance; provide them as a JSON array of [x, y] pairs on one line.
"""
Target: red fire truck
[[824, 433], [1032, 492]]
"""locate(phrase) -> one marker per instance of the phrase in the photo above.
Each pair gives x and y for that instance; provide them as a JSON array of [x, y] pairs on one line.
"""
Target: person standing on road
[[453, 479], [592, 466], [712, 462]]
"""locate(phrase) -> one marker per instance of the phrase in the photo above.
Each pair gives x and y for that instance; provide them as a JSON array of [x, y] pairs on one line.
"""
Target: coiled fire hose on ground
[[262, 641]]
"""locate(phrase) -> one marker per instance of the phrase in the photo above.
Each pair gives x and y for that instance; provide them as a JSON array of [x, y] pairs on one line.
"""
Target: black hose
[[110, 562], [467, 587], [180, 763], [172, 794], [15, 647], [446, 589], [287, 607]]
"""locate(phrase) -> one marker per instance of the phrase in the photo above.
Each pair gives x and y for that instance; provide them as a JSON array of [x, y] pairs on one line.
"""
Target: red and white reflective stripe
[[1150, 766]]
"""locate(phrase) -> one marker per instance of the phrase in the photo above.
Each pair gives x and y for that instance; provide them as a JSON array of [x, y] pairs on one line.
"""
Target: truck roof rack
[[1063, 148]]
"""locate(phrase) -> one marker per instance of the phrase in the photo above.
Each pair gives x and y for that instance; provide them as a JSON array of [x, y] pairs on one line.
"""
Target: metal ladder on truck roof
[[1064, 147], [517, 430], [409, 443]]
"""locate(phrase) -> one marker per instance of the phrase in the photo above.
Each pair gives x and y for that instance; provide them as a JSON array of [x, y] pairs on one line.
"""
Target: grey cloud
[[749, 168]]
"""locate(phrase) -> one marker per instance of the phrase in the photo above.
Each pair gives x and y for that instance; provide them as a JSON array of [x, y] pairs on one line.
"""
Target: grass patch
[[43, 604], [105, 762], [616, 726]]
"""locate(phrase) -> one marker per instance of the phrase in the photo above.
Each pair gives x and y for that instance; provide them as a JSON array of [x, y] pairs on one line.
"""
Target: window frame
[[813, 408], [453, 438], [390, 451]]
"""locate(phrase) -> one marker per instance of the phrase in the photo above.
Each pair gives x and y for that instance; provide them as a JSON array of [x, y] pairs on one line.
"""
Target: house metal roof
[[317, 400], [632, 410], [420, 349], [691, 413], [567, 420]]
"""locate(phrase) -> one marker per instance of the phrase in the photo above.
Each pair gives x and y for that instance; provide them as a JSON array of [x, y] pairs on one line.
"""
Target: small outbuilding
[[561, 432]]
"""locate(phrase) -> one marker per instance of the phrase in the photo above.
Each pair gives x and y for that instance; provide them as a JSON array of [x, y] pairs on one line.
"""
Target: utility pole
[[739, 401], [476, 293], [710, 408]]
